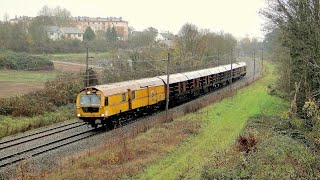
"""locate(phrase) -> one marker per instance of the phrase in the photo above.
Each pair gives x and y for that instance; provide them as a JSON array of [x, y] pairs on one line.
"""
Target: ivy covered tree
[[89, 34]]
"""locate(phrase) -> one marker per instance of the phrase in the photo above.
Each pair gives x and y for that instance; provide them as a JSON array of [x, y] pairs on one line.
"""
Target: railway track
[[41, 134], [17, 156]]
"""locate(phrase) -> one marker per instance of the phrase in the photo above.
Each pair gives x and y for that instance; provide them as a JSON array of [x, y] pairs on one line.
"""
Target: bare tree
[[298, 23]]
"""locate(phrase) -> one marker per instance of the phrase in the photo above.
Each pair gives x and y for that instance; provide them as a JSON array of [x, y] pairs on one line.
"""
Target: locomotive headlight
[[78, 107], [102, 115], [78, 115]]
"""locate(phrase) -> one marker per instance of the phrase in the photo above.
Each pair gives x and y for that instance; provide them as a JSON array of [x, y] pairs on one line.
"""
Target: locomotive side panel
[[118, 103], [156, 94], [139, 98]]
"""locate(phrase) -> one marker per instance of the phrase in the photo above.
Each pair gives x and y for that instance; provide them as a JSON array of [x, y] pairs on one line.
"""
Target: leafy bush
[[58, 92], [23, 61]]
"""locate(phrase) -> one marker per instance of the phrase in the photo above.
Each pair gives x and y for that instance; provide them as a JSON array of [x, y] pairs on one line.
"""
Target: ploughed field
[[14, 82]]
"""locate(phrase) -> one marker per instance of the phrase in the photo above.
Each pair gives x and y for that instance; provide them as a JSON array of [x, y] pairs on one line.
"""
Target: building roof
[[71, 30], [51, 28], [99, 19]]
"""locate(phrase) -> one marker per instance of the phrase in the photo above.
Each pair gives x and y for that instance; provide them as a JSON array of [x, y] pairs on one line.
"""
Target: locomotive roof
[[117, 88], [122, 87]]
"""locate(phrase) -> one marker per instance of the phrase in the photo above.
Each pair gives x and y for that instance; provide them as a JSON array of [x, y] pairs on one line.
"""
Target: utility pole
[[231, 73], [262, 57], [254, 62], [87, 68], [218, 57], [168, 89]]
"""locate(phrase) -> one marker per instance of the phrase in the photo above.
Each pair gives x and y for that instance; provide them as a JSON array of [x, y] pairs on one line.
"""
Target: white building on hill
[[55, 33]]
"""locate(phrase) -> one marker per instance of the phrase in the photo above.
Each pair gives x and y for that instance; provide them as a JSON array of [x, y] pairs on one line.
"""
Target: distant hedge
[[23, 61]]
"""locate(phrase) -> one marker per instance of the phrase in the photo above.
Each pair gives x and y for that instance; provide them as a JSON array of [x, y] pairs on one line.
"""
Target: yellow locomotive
[[108, 104]]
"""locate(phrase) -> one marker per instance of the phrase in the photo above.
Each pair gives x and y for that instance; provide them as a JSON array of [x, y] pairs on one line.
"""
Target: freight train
[[107, 104]]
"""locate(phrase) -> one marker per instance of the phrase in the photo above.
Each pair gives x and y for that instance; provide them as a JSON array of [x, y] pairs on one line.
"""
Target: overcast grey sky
[[238, 17]]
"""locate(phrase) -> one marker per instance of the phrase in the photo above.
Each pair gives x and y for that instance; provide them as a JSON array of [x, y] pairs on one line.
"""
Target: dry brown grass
[[127, 154]]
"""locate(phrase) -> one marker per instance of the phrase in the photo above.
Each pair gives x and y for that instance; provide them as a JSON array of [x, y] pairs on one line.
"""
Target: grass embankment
[[282, 150], [10, 125], [222, 123]]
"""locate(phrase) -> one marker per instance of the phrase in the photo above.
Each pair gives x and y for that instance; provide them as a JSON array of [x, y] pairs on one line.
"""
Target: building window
[[51, 34], [123, 97], [79, 35]]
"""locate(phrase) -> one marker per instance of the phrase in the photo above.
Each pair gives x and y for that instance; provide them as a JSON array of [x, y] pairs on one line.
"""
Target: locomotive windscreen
[[90, 99]]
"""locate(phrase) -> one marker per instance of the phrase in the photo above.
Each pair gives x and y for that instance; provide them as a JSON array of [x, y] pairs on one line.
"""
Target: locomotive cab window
[[123, 97], [106, 101], [90, 99], [133, 94]]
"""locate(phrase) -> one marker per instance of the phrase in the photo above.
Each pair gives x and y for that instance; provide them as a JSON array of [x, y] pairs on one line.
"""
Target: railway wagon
[[109, 104]]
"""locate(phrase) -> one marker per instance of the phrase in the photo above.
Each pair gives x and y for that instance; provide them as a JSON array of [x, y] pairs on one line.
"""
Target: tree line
[[32, 37], [294, 39]]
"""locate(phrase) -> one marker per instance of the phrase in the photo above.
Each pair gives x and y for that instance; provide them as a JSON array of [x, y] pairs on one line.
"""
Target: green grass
[[222, 123], [26, 76], [12, 125]]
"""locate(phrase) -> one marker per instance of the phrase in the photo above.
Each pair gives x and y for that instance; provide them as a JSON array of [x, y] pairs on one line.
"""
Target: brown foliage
[[247, 143]]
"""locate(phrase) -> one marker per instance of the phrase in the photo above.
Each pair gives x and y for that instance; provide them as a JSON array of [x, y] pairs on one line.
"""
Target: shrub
[[247, 143], [23, 61]]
